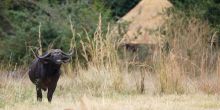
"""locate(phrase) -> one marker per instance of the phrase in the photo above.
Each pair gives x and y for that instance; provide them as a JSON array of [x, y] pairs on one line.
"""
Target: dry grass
[[71, 94], [185, 77], [191, 55]]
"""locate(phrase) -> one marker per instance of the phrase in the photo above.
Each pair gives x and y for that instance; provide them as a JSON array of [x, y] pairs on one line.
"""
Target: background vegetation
[[189, 47], [21, 19], [186, 61], [207, 10], [20, 22]]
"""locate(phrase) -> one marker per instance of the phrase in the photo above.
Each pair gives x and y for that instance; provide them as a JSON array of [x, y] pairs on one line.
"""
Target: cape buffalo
[[45, 71]]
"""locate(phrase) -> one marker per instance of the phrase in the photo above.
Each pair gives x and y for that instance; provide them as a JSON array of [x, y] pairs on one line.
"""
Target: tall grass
[[191, 55], [189, 64]]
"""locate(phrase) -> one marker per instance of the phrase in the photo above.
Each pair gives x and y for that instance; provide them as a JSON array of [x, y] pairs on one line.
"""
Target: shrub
[[207, 10], [120, 7], [25, 17]]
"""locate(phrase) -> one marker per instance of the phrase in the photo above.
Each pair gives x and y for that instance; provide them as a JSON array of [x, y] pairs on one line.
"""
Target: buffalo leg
[[39, 94], [50, 93]]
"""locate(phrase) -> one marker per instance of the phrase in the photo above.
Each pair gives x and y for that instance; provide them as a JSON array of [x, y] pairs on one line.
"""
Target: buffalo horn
[[69, 54]]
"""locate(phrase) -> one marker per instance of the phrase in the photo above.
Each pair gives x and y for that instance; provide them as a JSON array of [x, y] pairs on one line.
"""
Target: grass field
[[123, 102], [76, 94], [183, 75]]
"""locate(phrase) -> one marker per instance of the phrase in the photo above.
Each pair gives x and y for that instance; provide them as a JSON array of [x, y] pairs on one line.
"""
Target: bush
[[213, 14], [25, 17], [199, 8], [120, 7], [207, 10]]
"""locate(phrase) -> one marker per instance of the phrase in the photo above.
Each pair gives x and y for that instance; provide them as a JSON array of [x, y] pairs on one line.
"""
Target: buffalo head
[[56, 56]]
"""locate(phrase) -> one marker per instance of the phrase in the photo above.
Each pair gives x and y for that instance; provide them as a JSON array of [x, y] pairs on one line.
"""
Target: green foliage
[[213, 14], [20, 22], [189, 4], [193, 7], [120, 7], [204, 9], [5, 4], [25, 18]]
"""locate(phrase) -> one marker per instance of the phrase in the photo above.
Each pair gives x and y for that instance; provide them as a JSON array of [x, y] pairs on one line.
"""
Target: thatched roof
[[147, 15]]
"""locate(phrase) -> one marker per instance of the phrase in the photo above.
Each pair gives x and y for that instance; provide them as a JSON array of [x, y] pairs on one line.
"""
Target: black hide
[[45, 73]]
